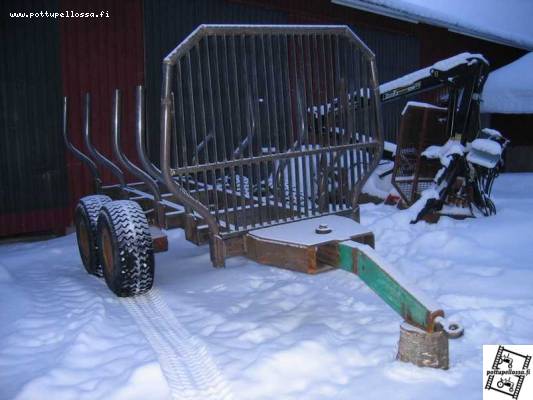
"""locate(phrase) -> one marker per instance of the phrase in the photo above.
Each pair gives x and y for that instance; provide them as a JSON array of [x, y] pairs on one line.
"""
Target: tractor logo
[[506, 372]]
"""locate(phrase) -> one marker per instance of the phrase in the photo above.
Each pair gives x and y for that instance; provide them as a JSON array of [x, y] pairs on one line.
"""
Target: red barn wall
[[436, 43], [97, 56]]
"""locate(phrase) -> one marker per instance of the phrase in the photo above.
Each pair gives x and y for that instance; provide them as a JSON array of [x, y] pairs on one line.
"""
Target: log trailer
[[245, 164]]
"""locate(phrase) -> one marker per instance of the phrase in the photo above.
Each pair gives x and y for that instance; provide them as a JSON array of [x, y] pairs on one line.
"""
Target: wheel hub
[[84, 240], [107, 251]]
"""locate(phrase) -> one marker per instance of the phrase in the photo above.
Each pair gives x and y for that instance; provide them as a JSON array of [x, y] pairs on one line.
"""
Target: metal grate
[[420, 128], [267, 124]]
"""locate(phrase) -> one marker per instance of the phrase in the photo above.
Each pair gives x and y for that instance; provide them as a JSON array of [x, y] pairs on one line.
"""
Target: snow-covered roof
[[509, 89], [507, 22]]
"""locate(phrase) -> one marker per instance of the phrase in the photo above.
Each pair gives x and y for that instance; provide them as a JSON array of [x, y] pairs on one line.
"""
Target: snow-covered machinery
[[442, 155], [246, 166]]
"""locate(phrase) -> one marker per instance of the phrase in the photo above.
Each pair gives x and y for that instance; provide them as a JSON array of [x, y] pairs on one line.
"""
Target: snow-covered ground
[[272, 334]]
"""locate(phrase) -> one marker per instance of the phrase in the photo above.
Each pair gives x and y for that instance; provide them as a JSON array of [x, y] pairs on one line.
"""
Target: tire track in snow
[[186, 364]]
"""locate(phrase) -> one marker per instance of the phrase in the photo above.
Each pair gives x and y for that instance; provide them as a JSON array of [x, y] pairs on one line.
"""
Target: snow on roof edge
[[509, 89], [382, 9]]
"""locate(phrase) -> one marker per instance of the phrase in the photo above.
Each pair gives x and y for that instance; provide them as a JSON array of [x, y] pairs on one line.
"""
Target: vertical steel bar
[[219, 117], [240, 130], [174, 162], [203, 126], [300, 63], [141, 140], [249, 121], [313, 163], [194, 134], [288, 107], [269, 132], [98, 157], [351, 113], [371, 110], [378, 133], [230, 113], [347, 114], [140, 127], [174, 155], [334, 100], [115, 121], [77, 153], [377, 102], [174, 138], [279, 174], [209, 93], [255, 111], [359, 109], [343, 105], [273, 111], [329, 126], [165, 125], [321, 113], [180, 123], [299, 126], [362, 106], [338, 122], [365, 111]]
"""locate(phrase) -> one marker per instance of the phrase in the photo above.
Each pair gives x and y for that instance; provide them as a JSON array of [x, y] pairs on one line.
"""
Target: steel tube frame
[[275, 76], [78, 154], [178, 191], [140, 136], [150, 183], [271, 157], [97, 156]]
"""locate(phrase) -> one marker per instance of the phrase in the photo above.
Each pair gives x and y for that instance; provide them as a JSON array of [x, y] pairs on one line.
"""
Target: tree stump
[[422, 348]]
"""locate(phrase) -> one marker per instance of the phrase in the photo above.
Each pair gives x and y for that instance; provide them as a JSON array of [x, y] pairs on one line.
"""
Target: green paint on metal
[[346, 258], [396, 296]]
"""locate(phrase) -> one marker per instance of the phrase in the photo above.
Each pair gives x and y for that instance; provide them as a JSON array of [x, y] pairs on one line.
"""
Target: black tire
[[85, 220], [125, 248]]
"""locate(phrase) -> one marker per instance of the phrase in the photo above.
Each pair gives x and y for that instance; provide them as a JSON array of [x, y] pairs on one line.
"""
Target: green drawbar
[[387, 286]]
